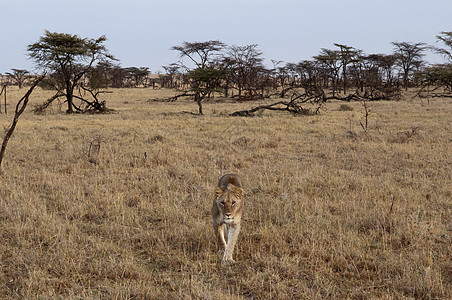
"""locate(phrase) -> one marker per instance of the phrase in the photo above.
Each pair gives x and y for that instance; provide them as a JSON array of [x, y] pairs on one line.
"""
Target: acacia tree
[[117, 76], [347, 56], [18, 76], [100, 76], [138, 75], [206, 74], [438, 76], [331, 60], [200, 53], [446, 38], [68, 57], [408, 57], [433, 78], [307, 70], [168, 79], [386, 63], [205, 81]]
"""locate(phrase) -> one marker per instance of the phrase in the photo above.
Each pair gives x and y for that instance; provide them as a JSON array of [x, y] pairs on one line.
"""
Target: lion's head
[[229, 202]]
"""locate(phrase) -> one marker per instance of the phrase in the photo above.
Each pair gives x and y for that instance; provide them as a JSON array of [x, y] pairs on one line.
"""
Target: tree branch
[[20, 107]]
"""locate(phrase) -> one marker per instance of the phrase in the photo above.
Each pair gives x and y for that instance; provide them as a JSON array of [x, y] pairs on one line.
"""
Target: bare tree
[[366, 116], [246, 65]]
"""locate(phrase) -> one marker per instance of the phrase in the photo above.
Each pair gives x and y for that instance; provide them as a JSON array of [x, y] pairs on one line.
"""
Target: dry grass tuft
[[345, 107], [118, 206]]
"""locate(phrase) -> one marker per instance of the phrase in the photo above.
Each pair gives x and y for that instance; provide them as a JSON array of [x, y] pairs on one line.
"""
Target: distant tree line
[[108, 74], [211, 68], [342, 72]]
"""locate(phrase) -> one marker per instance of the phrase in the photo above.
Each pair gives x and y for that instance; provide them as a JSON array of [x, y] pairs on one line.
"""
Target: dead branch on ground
[[39, 109], [294, 106], [371, 94], [174, 98], [90, 106], [95, 106], [430, 91]]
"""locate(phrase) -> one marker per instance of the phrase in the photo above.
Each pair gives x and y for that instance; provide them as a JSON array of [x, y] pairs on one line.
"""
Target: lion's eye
[[222, 203], [233, 203]]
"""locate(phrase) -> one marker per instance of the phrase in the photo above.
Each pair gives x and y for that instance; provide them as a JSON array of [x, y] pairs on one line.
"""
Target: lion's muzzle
[[228, 219]]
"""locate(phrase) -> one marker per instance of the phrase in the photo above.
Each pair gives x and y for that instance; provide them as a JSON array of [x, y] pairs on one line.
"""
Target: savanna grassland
[[117, 206]]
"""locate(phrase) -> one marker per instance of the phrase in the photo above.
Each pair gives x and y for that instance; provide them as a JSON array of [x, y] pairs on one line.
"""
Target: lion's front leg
[[219, 233], [233, 235]]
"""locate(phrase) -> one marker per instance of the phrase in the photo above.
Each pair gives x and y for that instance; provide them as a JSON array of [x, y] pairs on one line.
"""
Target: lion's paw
[[228, 261]]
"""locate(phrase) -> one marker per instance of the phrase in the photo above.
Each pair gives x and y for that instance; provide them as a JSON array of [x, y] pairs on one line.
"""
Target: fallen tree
[[315, 96], [174, 98], [372, 94]]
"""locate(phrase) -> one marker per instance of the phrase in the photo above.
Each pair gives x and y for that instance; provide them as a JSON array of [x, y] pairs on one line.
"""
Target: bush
[[345, 107]]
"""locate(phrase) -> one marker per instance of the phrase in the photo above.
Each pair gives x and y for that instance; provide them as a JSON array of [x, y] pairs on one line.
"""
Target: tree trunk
[[333, 83], [69, 97], [198, 99], [345, 79], [226, 89]]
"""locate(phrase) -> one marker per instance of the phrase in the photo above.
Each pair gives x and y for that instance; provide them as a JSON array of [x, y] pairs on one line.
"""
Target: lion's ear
[[238, 193], [218, 193]]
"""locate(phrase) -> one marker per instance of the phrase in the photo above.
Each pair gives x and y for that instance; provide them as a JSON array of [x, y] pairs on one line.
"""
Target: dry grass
[[330, 211]]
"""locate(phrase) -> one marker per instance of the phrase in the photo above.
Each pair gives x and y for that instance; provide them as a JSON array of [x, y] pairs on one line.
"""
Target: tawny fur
[[227, 210]]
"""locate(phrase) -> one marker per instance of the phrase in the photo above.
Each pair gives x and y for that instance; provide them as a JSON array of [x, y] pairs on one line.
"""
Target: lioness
[[227, 209]]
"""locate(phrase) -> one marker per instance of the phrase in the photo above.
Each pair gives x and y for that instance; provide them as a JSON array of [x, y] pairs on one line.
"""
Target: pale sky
[[140, 33]]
